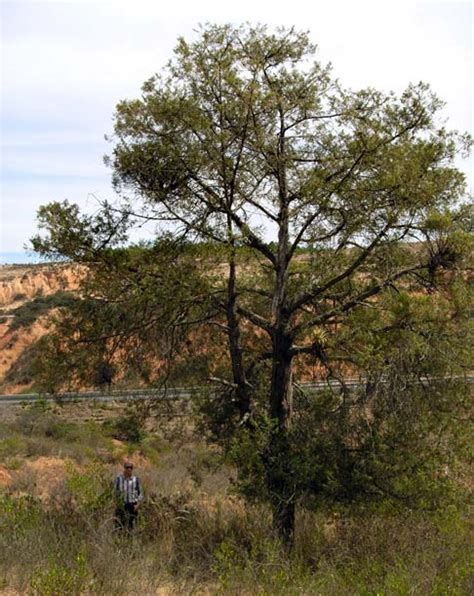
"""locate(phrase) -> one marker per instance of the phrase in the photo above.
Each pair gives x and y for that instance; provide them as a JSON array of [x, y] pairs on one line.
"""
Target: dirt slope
[[18, 285]]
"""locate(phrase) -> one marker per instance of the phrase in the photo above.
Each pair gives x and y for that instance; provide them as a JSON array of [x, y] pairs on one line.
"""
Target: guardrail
[[97, 396], [189, 392]]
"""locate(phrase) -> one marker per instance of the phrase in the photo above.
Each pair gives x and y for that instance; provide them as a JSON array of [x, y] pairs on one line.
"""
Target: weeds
[[192, 537], [71, 548], [40, 431]]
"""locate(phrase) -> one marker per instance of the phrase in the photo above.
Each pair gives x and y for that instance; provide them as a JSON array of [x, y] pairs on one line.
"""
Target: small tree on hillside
[[344, 201]]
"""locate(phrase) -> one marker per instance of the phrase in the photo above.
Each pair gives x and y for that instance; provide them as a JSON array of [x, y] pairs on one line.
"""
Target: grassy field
[[194, 535]]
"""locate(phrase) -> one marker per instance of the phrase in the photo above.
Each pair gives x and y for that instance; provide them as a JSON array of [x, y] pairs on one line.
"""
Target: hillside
[[26, 293], [29, 293]]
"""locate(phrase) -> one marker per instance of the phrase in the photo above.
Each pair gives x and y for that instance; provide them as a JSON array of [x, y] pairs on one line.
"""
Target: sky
[[66, 64]]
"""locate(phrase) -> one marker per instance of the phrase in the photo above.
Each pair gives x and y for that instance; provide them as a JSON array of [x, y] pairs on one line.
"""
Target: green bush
[[89, 489], [128, 427], [58, 578], [12, 446], [26, 314]]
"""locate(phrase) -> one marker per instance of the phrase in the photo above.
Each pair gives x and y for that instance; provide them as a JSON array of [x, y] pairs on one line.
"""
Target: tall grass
[[194, 537], [185, 544]]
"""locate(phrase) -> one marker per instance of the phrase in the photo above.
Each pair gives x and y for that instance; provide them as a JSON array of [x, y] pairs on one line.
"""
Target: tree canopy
[[341, 220]]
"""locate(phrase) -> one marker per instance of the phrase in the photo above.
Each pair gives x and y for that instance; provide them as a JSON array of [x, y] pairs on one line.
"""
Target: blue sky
[[65, 65]]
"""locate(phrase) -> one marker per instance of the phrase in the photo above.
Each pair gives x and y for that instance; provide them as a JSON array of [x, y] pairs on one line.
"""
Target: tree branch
[[306, 297], [255, 319], [357, 301]]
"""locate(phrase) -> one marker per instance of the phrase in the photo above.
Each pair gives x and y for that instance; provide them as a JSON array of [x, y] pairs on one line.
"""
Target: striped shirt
[[129, 490]]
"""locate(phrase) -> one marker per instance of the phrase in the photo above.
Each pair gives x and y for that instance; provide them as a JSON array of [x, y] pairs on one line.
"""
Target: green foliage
[[204, 461], [408, 453], [58, 578], [128, 427], [89, 489], [26, 314], [19, 515], [72, 236], [342, 224], [34, 415], [122, 330], [12, 446]]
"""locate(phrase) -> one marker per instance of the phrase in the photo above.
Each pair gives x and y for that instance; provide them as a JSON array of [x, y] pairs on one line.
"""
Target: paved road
[[172, 392]]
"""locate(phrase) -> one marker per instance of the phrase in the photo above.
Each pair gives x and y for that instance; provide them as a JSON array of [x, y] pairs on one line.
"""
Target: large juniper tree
[[346, 205]]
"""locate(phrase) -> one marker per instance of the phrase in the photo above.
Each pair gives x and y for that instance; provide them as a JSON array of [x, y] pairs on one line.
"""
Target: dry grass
[[194, 537]]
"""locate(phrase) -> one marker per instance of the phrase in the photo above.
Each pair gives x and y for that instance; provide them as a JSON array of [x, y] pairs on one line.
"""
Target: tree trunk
[[281, 389], [235, 348], [279, 471], [284, 521]]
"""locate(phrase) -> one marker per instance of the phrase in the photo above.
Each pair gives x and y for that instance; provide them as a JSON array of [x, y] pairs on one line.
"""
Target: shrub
[[59, 578], [12, 446], [129, 427], [89, 489], [26, 314]]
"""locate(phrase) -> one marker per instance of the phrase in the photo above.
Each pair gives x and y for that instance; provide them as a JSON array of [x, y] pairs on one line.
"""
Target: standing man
[[128, 494]]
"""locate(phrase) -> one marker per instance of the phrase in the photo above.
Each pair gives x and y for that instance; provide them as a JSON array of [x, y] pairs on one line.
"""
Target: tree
[[346, 203]]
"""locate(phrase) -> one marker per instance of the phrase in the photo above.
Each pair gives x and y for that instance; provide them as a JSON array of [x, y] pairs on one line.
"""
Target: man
[[128, 494]]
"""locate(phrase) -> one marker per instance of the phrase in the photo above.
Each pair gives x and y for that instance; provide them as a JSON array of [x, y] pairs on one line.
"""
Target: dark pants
[[126, 516]]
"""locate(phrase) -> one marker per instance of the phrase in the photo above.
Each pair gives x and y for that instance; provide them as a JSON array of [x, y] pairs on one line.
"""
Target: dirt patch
[[13, 344], [19, 283], [5, 477], [46, 474]]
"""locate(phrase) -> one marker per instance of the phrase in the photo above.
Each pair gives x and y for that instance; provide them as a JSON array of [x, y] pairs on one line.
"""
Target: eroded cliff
[[20, 284]]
